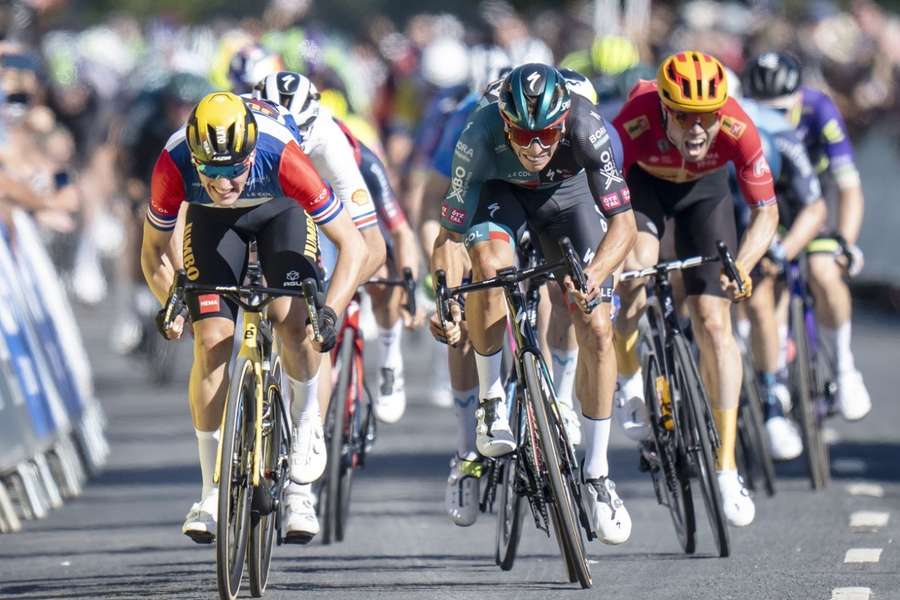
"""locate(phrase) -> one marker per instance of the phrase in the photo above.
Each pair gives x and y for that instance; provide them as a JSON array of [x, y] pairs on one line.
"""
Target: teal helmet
[[534, 96]]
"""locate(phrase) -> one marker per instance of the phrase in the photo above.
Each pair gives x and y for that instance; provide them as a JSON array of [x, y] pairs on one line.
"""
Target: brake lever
[[731, 270], [409, 283], [576, 271], [311, 295]]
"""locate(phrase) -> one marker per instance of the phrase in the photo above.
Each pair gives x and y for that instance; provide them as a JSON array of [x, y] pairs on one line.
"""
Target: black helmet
[[771, 75]]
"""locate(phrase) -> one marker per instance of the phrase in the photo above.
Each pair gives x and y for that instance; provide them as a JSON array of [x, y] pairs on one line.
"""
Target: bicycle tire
[[354, 443], [511, 510], [696, 422], [804, 401], [758, 463], [234, 488], [568, 529], [676, 482], [335, 440], [275, 441]]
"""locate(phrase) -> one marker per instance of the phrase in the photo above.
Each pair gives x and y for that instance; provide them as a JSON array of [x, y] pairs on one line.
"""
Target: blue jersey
[[455, 123]]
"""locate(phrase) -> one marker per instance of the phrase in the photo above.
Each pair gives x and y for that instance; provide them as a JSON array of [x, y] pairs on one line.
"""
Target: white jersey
[[333, 157]]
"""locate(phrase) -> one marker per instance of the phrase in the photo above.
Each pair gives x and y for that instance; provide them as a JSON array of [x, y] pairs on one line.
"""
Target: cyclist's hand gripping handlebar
[[444, 323], [576, 272], [734, 273], [166, 318], [322, 319], [409, 284]]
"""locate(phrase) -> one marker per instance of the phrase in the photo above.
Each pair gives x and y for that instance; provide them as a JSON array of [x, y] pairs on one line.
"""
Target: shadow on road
[[873, 461]]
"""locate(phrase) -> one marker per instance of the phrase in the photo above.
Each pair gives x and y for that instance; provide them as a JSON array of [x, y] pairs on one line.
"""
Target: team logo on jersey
[[359, 197], [209, 303], [493, 208], [761, 167], [463, 151], [733, 127], [599, 137], [188, 254], [635, 127], [610, 202], [833, 132]]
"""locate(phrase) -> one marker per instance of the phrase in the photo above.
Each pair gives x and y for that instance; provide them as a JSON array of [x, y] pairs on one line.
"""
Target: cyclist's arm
[[797, 171], [351, 257], [158, 249], [156, 261], [758, 189], [836, 139]]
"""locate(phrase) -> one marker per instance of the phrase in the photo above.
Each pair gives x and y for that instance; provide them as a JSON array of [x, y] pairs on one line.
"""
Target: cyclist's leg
[[490, 243], [703, 217]]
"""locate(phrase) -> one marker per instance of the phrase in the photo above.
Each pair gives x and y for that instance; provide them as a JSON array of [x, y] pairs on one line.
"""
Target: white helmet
[[579, 84], [486, 64], [445, 63], [293, 91]]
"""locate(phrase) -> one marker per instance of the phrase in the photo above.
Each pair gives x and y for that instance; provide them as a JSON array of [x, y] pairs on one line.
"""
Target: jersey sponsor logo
[[588, 256], [209, 303], [733, 127], [635, 127], [261, 107], [626, 195], [832, 132], [463, 151], [761, 167], [596, 116], [311, 245], [599, 137], [292, 279], [610, 202], [456, 216], [190, 266], [493, 208], [457, 185], [609, 170], [359, 197]]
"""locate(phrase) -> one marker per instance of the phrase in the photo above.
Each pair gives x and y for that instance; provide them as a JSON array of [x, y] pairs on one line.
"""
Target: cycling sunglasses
[[231, 171], [524, 137], [686, 120]]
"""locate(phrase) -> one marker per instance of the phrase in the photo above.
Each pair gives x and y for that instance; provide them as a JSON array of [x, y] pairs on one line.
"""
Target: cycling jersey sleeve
[[797, 172], [598, 149], [472, 154], [300, 181], [334, 159], [753, 173], [836, 140], [166, 193], [389, 212]]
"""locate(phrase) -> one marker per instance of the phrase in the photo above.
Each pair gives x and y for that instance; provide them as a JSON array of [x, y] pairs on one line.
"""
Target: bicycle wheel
[[335, 440], [354, 444], [802, 379], [511, 509], [698, 430], [675, 477], [567, 526], [234, 480], [752, 443], [267, 496]]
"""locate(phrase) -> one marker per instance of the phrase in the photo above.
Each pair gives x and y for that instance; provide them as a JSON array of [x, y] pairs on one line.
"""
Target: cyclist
[[241, 176], [775, 79], [540, 156], [678, 133], [802, 212]]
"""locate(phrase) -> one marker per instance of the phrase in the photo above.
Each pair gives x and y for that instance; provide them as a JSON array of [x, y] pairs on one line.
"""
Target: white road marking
[[865, 489], [851, 593], [848, 466], [869, 519], [863, 555]]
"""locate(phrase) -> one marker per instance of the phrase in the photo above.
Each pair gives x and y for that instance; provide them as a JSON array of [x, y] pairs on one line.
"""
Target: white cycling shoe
[[736, 501], [300, 522], [630, 408], [463, 493], [781, 391], [390, 403], [571, 421], [308, 455], [852, 396], [606, 511], [493, 436], [784, 439], [200, 523]]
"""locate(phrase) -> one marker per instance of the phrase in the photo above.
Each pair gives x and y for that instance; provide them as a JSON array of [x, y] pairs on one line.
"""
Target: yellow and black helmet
[[221, 130], [692, 82]]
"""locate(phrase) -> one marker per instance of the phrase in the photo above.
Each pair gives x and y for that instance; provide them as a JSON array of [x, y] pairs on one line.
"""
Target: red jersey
[[644, 142]]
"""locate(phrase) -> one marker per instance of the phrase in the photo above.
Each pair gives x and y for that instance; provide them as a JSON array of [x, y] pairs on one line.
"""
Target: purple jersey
[[824, 134]]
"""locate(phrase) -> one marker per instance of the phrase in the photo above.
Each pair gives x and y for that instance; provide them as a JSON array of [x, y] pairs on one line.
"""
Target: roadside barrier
[[51, 426]]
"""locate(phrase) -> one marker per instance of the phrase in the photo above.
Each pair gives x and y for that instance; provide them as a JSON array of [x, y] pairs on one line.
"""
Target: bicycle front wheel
[[335, 440], [235, 491], [567, 525], [267, 496], [698, 430]]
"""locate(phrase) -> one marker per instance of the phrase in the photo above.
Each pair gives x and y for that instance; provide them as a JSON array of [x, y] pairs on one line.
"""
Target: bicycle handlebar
[[724, 257], [409, 285]]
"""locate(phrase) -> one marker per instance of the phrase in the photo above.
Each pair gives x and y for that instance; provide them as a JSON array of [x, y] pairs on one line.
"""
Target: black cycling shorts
[[215, 249], [565, 210], [702, 212]]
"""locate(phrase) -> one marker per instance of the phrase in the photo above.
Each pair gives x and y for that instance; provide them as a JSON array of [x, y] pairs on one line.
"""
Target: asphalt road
[[122, 537]]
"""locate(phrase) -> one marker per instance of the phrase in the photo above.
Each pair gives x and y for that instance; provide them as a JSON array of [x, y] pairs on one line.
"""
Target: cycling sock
[[488, 367], [596, 436], [771, 404], [726, 423], [464, 404], [781, 363], [208, 447], [626, 353], [391, 358], [304, 398], [564, 362], [839, 339]]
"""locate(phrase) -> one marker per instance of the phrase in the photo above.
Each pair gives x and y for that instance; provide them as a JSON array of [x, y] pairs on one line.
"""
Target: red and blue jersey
[[280, 170]]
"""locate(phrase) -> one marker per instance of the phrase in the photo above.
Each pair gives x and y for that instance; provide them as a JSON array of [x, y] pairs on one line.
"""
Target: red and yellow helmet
[[692, 82]]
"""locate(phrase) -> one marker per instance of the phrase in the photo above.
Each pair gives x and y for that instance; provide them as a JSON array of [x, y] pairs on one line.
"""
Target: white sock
[[635, 379], [564, 362], [208, 447], [839, 339], [489, 383], [596, 436], [782, 348], [304, 398], [391, 356], [464, 404]]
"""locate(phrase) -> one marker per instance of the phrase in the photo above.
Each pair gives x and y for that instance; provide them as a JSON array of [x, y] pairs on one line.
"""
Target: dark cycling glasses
[[686, 120], [232, 171], [524, 137]]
